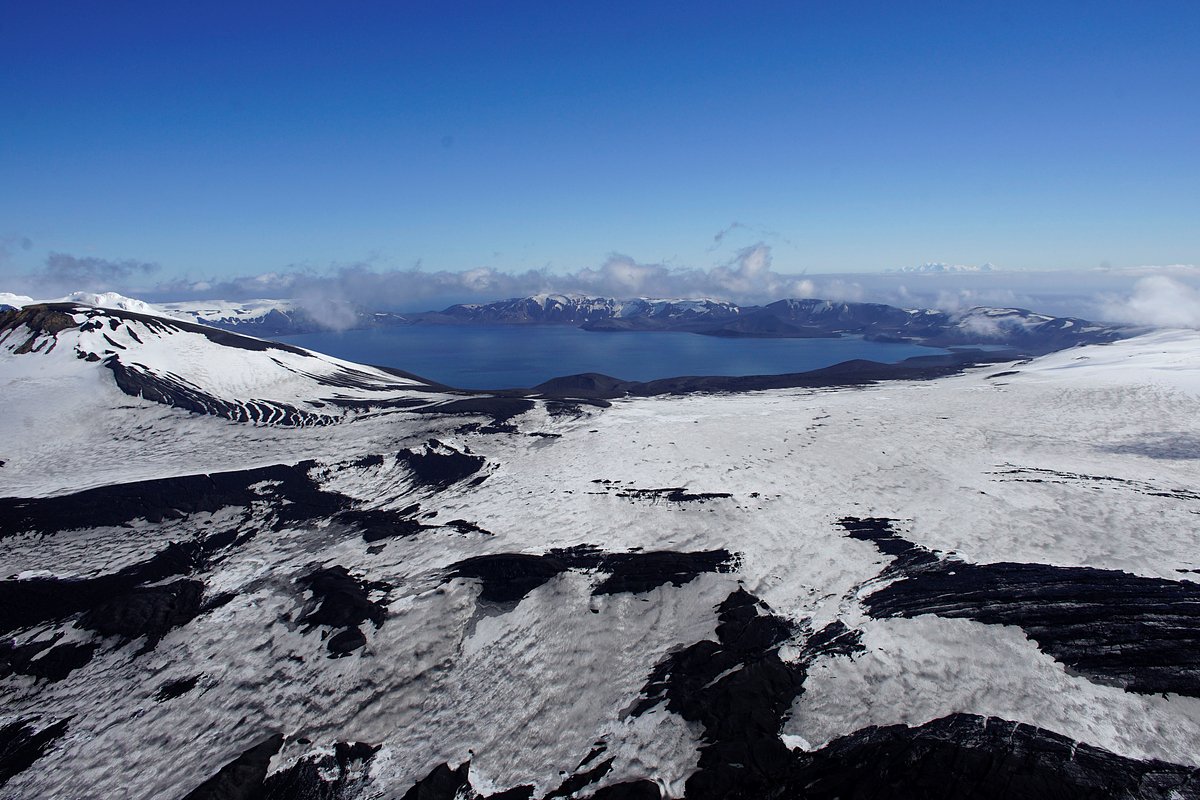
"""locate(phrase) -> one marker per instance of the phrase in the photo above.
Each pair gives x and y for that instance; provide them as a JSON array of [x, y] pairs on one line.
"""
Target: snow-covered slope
[[110, 300], [1025, 331], [9, 301], [276, 317], [982, 585], [267, 317], [200, 369]]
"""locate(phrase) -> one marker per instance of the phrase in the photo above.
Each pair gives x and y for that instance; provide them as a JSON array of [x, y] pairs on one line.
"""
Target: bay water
[[512, 356]]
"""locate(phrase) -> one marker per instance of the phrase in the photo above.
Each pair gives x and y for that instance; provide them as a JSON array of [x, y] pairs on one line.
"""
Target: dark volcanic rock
[[325, 777], [848, 373], [579, 780], [376, 525], [149, 611], [44, 659], [29, 601], [464, 526], [671, 494], [1139, 633], [438, 466], [345, 642], [879, 531], [341, 602], [21, 744], [632, 790], [242, 778], [585, 385], [500, 409], [172, 498], [40, 320], [642, 572], [442, 783], [508, 577], [1142, 634], [173, 689], [515, 793], [964, 755], [739, 690]]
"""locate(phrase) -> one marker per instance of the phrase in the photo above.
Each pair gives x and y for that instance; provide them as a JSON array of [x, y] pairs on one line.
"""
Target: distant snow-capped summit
[[276, 317], [1024, 330], [9, 301], [581, 309], [245, 315], [111, 300], [937, 267]]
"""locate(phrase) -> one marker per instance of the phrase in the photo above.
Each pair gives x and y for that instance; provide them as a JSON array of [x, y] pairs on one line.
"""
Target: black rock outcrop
[[508, 577]]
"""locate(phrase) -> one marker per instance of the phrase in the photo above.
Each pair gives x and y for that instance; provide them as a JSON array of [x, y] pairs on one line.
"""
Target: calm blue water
[[508, 356]]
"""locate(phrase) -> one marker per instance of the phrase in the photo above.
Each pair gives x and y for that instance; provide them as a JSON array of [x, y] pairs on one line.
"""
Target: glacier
[[234, 568]]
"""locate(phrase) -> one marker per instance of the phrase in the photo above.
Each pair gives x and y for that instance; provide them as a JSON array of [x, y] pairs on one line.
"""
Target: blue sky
[[220, 140]]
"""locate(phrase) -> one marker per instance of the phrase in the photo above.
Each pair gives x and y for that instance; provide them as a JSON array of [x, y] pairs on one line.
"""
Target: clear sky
[[230, 139]]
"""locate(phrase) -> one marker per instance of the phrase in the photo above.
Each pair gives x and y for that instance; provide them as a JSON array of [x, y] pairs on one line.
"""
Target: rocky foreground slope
[[231, 568]]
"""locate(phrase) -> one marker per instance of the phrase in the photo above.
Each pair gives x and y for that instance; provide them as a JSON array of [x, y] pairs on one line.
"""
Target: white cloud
[[62, 271], [1159, 301], [1146, 295]]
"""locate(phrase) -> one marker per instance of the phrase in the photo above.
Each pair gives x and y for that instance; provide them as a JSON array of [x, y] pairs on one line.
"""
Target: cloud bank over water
[[1161, 296], [1160, 301], [748, 277]]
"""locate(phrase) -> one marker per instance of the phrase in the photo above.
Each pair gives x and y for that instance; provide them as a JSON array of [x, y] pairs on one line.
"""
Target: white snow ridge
[[234, 568]]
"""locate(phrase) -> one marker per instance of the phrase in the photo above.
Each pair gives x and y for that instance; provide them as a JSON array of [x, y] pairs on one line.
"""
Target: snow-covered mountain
[[229, 314], [10, 301], [111, 300], [275, 317], [940, 268], [981, 585], [1024, 330], [579, 309], [197, 368], [251, 317]]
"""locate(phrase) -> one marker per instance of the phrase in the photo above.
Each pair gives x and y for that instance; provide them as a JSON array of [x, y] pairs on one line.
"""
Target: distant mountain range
[[588, 312], [808, 318], [938, 268], [1023, 330]]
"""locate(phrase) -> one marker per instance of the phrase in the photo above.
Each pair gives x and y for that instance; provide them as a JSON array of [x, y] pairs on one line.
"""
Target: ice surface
[[1085, 457]]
